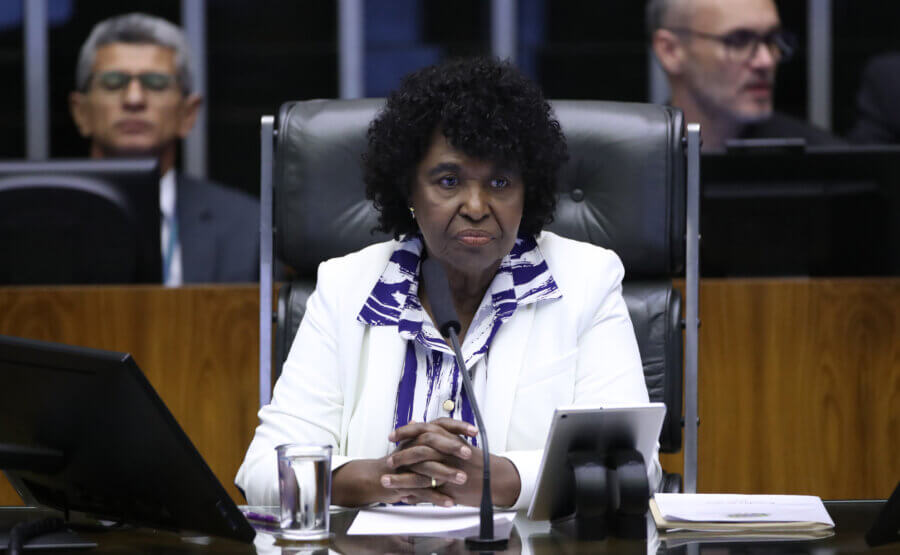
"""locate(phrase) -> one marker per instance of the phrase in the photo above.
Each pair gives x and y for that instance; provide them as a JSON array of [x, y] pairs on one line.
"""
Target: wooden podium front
[[799, 378]]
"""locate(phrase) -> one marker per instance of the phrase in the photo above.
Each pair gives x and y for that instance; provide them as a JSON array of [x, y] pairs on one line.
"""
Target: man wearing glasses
[[135, 97], [720, 57]]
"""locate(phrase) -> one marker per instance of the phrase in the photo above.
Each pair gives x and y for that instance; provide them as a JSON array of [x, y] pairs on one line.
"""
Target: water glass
[[304, 484]]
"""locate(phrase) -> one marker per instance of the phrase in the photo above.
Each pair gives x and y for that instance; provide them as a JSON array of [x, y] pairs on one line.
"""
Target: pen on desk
[[250, 515]]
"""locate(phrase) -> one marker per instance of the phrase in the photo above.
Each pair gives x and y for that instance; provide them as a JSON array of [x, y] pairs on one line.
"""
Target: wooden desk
[[799, 379]]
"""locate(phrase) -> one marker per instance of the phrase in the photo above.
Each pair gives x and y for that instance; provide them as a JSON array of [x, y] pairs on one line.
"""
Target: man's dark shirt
[[878, 111], [783, 126]]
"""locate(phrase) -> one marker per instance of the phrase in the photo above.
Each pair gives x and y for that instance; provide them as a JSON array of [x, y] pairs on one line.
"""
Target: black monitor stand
[[46, 532], [40, 534]]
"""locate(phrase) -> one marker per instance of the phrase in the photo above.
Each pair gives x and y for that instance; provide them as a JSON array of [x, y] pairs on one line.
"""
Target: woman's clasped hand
[[433, 463]]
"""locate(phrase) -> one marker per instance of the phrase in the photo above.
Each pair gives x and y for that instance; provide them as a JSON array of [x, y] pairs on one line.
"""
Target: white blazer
[[339, 383]]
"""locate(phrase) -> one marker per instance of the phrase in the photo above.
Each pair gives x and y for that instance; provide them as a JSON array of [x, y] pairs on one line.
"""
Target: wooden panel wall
[[799, 379], [800, 387], [198, 346]]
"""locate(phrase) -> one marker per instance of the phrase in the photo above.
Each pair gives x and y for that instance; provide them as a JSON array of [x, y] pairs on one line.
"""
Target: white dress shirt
[[168, 221]]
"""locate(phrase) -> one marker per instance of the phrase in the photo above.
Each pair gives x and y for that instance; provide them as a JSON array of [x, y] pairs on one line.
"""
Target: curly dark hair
[[487, 109]]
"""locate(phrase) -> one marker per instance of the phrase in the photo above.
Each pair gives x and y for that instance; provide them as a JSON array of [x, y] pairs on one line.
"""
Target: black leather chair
[[623, 188]]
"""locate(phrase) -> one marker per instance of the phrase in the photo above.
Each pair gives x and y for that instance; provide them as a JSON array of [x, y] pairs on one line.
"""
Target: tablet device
[[590, 428]]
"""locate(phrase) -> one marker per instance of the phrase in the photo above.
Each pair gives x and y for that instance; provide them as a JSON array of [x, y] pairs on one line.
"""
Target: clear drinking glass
[[304, 484]]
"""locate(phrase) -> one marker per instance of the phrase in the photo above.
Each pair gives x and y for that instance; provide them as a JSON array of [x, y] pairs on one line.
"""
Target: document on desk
[[727, 512], [426, 520]]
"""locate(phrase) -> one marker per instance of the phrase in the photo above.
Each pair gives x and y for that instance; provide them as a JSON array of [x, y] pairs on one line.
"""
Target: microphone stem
[[487, 505]]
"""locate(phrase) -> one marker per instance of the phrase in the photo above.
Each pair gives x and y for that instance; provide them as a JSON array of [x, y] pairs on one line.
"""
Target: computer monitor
[[82, 430], [80, 222], [886, 528], [779, 208]]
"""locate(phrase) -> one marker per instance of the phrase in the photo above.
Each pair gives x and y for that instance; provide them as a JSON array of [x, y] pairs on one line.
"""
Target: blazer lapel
[[374, 416], [195, 232], [507, 354]]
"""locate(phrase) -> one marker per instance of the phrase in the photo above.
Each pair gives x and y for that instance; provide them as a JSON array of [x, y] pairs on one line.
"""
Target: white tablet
[[590, 428]]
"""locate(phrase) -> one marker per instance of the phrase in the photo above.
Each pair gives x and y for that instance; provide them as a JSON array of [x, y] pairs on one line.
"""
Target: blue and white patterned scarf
[[522, 278]]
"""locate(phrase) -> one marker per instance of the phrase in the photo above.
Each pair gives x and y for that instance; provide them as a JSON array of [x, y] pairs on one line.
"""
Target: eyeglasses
[[150, 80], [741, 45]]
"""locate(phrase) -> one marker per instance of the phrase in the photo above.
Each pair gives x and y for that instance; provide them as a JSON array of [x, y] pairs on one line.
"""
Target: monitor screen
[[83, 430], [780, 209], [80, 222]]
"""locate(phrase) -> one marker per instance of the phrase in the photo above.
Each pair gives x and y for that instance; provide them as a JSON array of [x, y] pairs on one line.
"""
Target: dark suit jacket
[[784, 126], [219, 232], [878, 114]]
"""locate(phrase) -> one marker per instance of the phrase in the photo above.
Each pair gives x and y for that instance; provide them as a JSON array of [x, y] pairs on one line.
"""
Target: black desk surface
[[852, 519]]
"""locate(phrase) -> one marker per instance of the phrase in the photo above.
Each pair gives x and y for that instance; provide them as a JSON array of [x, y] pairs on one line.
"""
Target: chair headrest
[[623, 187], [624, 184]]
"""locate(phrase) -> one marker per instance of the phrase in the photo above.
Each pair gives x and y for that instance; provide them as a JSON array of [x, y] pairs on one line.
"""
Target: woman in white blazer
[[462, 167]]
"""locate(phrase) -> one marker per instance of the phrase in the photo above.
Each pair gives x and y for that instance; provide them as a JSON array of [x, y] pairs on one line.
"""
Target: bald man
[[720, 57]]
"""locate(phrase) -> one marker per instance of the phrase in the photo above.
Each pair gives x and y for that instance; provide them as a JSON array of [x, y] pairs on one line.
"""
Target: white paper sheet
[[717, 507], [426, 520]]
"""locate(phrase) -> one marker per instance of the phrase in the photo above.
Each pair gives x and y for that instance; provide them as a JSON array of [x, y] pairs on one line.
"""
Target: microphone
[[438, 289]]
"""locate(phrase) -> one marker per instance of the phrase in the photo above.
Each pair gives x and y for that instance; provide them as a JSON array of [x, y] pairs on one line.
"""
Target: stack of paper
[[767, 517], [427, 520]]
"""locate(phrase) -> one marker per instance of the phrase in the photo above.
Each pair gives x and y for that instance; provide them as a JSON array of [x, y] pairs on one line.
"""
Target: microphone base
[[476, 543]]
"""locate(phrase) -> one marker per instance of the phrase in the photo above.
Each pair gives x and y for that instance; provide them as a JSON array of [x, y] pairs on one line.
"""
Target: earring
[[412, 212]]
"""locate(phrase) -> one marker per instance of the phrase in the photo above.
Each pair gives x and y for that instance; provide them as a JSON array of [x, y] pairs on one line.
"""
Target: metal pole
[[266, 143], [37, 103], [692, 308], [818, 66], [194, 149], [504, 27], [657, 82], [351, 48]]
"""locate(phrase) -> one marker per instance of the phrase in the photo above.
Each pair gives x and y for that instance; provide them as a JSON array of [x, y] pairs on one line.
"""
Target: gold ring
[[433, 482]]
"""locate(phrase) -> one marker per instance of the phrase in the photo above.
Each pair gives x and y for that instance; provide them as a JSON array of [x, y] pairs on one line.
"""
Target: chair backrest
[[623, 188]]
